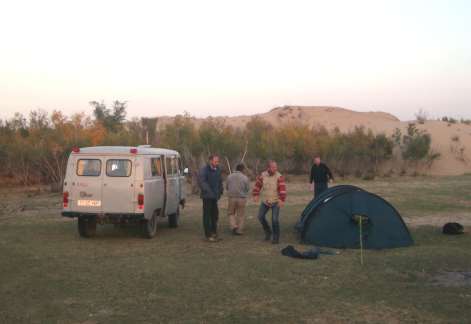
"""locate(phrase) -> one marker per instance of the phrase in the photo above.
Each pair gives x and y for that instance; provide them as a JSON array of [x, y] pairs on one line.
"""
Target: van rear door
[[118, 185], [171, 173], [181, 181], [85, 196]]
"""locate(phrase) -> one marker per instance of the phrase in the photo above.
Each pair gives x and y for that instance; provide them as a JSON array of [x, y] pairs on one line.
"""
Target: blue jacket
[[210, 182]]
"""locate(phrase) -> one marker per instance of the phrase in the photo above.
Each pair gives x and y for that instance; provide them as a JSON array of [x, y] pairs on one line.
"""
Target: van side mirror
[[186, 171]]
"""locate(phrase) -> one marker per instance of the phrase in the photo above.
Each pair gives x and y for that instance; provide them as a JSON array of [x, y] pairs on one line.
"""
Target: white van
[[120, 184]]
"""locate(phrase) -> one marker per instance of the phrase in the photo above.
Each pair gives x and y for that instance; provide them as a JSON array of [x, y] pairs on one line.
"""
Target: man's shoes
[[236, 232], [213, 238], [275, 241]]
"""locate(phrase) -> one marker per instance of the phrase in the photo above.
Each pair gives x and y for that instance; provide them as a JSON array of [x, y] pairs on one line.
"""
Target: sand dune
[[452, 141]]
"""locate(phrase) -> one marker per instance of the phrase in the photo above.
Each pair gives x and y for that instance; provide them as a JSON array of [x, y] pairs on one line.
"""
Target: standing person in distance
[[210, 183], [320, 176], [237, 186], [272, 187]]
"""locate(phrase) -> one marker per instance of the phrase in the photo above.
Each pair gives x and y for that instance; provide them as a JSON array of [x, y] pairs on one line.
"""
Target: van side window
[[156, 167], [89, 168], [180, 167], [169, 165], [176, 165], [118, 168]]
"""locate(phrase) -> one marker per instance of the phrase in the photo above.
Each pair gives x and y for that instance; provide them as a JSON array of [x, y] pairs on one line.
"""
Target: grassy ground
[[50, 275]]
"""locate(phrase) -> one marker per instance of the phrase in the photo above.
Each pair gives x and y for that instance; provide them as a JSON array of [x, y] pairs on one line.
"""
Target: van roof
[[141, 150]]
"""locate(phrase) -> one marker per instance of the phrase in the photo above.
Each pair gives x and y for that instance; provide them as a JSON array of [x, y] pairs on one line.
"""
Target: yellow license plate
[[89, 203]]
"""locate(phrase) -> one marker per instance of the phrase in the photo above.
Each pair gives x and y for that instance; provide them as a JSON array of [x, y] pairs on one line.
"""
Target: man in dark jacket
[[210, 183], [320, 176]]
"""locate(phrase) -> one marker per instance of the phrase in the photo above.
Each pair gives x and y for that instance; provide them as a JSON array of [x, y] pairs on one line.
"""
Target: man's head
[[317, 160], [240, 167], [272, 167], [213, 161]]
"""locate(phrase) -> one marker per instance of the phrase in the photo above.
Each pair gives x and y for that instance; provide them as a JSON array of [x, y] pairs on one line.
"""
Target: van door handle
[[104, 185]]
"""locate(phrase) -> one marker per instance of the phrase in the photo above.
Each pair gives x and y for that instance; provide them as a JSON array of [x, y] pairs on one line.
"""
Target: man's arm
[[311, 177], [246, 185], [329, 174], [281, 187], [203, 181], [257, 188], [221, 185]]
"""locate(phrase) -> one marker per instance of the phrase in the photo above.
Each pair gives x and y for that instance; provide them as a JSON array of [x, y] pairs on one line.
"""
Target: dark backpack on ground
[[292, 252], [453, 228]]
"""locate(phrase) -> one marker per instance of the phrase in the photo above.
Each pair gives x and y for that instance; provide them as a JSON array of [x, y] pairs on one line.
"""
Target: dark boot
[[266, 229], [276, 234]]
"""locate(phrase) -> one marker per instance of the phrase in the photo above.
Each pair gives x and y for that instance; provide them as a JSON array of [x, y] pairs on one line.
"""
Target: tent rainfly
[[332, 220]]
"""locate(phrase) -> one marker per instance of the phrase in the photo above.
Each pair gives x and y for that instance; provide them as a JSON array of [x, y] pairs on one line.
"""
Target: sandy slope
[[452, 141]]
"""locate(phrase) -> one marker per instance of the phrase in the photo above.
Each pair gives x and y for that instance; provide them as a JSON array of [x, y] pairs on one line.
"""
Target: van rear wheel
[[87, 226], [174, 219], [149, 226]]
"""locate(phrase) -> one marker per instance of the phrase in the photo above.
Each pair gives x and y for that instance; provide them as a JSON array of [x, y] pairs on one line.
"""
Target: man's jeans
[[275, 214], [210, 217]]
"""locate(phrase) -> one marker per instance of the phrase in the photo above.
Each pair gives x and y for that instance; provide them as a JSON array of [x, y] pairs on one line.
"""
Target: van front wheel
[[87, 226], [149, 226], [173, 219]]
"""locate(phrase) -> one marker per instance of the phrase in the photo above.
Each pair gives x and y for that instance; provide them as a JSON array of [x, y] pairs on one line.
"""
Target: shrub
[[416, 144], [421, 116], [35, 149]]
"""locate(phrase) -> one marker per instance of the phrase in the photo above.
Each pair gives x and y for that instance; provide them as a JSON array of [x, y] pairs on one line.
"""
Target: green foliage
[[259, 135], [397, 136], [449, 120], [416, 144], [111, 119], [36, 148]]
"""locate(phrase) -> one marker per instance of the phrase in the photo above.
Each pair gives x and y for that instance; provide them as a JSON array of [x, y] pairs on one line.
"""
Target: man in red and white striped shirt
[[271, 186]]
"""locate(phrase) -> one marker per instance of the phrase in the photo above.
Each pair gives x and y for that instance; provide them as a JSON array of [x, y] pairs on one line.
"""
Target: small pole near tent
[[360, 220], [361, 243]]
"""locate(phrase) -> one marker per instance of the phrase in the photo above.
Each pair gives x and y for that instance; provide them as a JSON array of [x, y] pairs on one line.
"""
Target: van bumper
[[107, 217]]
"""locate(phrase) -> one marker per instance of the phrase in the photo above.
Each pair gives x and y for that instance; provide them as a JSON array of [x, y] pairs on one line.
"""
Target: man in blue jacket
[[210, 183]]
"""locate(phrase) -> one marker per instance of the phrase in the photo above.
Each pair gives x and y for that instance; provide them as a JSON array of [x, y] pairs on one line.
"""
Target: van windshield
[[118, 168], [89, 168]]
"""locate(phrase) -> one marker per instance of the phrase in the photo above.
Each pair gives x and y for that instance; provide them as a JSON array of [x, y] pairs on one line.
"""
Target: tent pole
[[361, 242]]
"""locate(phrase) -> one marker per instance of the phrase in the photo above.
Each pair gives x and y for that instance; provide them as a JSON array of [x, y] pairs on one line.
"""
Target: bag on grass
[[292, 252], [453, 228]]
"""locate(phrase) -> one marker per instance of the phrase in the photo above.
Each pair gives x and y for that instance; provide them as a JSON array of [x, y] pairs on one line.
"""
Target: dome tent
[[331, 220]]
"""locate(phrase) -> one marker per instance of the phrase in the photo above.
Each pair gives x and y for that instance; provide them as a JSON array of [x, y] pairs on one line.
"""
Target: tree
[[113, 119], [416, 144]]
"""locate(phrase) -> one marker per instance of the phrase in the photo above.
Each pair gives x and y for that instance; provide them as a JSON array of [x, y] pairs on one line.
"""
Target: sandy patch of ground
[[438, 220], [452, 279]]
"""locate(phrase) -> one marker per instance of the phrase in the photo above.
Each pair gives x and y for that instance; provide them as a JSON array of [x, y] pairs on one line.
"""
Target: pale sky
[[236, 57]]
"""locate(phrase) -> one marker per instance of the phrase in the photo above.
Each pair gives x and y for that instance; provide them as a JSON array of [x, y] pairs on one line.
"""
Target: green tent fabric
[[330, 221], [306, 214]]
